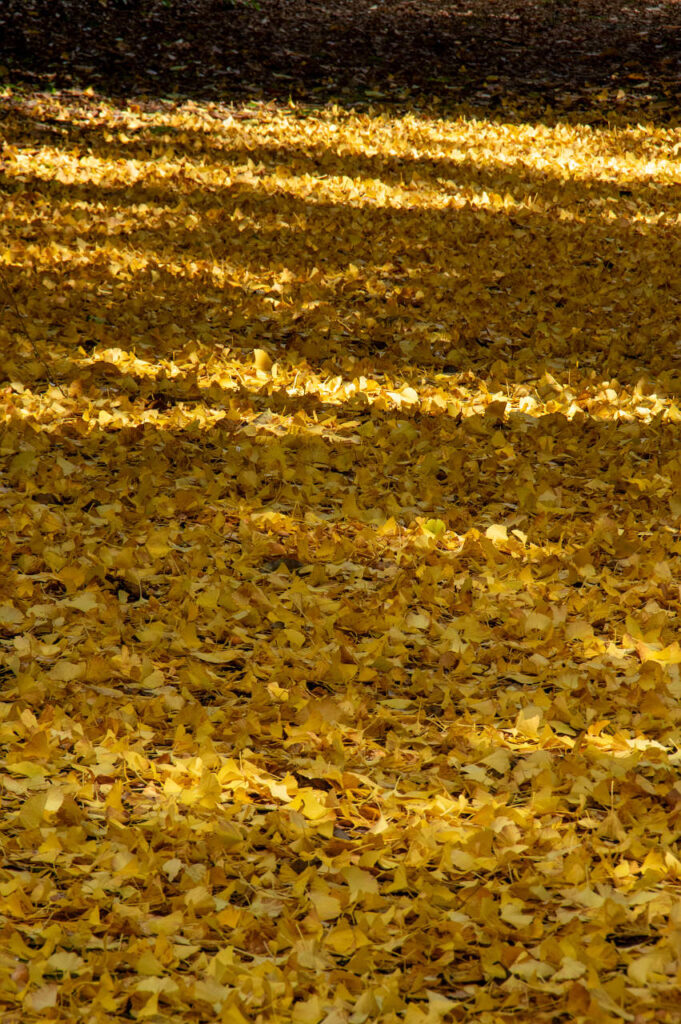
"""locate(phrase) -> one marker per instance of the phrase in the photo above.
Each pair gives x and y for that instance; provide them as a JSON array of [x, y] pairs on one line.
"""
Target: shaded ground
[[493, 54]]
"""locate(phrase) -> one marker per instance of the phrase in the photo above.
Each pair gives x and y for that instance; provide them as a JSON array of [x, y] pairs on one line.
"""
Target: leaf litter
[[339, 606]]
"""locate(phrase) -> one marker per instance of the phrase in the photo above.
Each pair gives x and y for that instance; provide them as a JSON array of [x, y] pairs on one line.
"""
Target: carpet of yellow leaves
[[340, 544]]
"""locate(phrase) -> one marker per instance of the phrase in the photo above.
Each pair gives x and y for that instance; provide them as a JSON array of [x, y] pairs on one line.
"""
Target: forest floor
[[340, 521], [492, 53]]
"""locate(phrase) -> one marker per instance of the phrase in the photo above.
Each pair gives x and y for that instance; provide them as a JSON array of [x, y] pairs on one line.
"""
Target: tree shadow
[[544, 268], [556, 53], [518, 270], [226, 147]]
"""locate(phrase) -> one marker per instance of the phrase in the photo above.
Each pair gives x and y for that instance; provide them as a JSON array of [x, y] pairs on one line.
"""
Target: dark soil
[[485, 52]]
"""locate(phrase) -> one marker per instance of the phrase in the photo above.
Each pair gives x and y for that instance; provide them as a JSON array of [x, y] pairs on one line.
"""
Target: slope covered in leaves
[[340, 553]]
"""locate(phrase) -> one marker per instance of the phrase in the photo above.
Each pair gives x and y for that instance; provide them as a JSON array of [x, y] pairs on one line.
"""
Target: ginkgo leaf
[[435, 526], [85, 602], [361, 882], [43, 998], [310, 805], [569, 970], [66, 962], [33, 810], [328, 907], [262, 360], [512, 913]]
